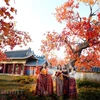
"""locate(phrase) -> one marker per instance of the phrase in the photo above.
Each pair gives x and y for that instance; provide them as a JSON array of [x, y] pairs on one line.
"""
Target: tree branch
[[67, 42], [82, 46]]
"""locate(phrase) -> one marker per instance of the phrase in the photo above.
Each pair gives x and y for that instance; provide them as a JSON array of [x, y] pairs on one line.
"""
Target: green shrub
[[24, 79], [87, 83], [19, 78], [89, 94]]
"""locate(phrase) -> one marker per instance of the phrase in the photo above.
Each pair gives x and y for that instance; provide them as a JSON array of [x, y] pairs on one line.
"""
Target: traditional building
[[21, 62]]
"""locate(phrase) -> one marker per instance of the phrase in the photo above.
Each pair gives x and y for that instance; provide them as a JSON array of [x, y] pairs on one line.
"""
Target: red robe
[[44, 85]]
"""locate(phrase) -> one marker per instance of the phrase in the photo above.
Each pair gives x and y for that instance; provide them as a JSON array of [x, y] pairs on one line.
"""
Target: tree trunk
[[81, 46]]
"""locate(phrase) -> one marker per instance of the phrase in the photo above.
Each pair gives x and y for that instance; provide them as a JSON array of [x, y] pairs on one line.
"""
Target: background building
[[21, 62]]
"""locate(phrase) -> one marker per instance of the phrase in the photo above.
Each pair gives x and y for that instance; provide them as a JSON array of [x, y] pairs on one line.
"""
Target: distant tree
[[8, 35], [80, 36]]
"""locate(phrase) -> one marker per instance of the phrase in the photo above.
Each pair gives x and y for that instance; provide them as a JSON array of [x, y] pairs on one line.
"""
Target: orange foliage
[[2, 56], [53, 61], [88, 1], [61, 62], [76, 32], [8, 35]]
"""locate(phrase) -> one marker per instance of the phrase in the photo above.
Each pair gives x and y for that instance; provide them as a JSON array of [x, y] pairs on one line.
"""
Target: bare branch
[[94, 3], [90, 12], [96, 10]]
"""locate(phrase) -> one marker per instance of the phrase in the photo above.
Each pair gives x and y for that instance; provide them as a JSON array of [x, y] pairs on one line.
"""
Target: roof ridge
[[17, 50], [41, 57]]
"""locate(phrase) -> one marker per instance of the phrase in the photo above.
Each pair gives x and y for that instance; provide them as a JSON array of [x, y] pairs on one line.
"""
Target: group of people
[[65, 83]]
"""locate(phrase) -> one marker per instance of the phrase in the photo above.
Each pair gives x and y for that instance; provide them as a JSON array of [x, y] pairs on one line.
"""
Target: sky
[[35, 17]]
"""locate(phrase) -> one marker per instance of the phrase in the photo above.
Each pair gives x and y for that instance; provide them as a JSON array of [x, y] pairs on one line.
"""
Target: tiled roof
[[20, 54], [95, 69], [35, 63], [40, 57], [24, 54]]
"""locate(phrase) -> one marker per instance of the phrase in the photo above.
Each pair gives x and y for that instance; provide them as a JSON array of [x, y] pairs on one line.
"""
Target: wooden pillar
[[4, 68], [24, 70], [34, 70], [19, 68], [1, 68], [10, 66], [13, 68]]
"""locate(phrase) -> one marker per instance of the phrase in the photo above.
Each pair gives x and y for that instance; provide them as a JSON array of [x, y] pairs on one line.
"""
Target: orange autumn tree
[[8, 35], [80, 36], [53, 61]]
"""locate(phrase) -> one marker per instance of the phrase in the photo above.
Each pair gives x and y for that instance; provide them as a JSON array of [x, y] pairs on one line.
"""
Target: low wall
[[88, 76]]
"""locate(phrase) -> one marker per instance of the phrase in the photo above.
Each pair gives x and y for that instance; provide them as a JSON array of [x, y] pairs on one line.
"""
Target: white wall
[[88, 75]]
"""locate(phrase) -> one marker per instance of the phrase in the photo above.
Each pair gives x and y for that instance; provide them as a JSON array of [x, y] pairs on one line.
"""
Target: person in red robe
[[44, 84], [69, 85]]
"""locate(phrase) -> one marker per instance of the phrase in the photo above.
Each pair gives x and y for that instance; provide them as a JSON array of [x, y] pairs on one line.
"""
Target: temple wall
[[88, 76]]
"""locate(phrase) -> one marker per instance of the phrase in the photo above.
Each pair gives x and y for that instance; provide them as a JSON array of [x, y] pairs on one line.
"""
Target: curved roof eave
[[36, 63], [23, 57]]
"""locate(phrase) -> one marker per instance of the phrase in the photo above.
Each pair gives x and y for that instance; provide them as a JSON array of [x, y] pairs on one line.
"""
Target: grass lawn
[[8, 84], [23, 87]]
